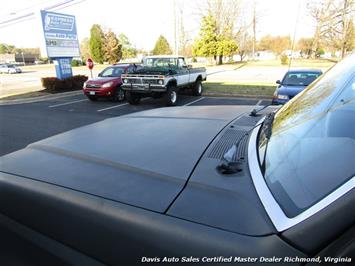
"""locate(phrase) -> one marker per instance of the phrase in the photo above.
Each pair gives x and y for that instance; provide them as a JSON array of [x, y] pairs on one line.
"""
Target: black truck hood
[[163, 160], [142, 159]]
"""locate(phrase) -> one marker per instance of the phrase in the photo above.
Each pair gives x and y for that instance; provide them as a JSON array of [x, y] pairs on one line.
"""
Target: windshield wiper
[[267, 130], [267, 124], [230, 163], [255, 111]]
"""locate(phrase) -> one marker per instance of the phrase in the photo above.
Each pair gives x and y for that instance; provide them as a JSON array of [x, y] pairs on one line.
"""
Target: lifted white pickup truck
[[163, 76]]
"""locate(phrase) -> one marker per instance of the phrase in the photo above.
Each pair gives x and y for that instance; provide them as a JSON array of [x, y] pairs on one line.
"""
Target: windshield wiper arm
[[267, 124], [267, 130], [255, 111], [230, 163]]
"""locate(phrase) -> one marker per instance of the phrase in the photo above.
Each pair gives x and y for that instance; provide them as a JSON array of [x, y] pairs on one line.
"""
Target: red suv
[[108, 83]]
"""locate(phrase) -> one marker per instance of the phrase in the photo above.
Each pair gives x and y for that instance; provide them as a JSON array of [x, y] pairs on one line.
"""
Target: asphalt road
[[22, 124]]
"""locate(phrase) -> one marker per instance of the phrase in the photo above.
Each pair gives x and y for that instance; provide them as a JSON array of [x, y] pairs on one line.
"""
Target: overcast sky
[[144, 20]]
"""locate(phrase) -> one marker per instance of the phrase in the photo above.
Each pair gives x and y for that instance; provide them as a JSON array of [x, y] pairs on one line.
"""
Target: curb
[[40, 98], [221, 94]]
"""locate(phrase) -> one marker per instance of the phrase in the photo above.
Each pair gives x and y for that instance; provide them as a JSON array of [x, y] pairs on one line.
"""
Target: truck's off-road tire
[[120, 95], [92, 98], [197, 88], [171, 96], [132, 98]]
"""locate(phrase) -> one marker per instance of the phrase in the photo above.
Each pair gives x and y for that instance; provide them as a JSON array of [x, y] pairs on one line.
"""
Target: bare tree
[[247, 28], [245, 43], [343, 26], [319, 12], [225, 12], [334, 24]]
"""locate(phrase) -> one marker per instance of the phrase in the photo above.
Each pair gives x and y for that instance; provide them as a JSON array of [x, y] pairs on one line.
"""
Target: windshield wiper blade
[[267, 124], [267, 130]]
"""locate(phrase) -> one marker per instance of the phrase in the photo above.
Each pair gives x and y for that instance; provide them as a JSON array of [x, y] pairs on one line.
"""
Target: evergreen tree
[[96, 43], [206, 44], [211, 43], [113, 48], [162, 46]]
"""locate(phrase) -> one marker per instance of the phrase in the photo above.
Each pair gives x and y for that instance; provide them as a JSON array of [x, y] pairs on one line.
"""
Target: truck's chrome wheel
[[120, 95], [199, 88], [173, 96]]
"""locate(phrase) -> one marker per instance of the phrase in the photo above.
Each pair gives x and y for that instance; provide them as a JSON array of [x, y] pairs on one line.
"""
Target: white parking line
[[115, 106], [259, 102], [194, 101], [61, 104]]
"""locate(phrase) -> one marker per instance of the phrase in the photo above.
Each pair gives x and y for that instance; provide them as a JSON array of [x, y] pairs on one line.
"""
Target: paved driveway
[[25, 123]]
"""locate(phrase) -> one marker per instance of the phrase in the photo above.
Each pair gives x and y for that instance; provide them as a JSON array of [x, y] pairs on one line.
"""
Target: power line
[[294, 33], [8, 25], [31, 15], [23, 9], [73, 4], [58, 5], [17, 18]]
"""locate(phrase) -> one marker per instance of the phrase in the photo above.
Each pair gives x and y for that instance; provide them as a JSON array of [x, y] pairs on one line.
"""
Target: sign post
[[61, 41], [90, 65]]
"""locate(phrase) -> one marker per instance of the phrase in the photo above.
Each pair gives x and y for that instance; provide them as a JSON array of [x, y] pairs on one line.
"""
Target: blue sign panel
[[63, 68], [60, 35]]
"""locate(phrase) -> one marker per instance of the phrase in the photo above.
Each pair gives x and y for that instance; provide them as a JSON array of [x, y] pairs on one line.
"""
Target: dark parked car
[[293, 83], [195, 183], [108, 83]]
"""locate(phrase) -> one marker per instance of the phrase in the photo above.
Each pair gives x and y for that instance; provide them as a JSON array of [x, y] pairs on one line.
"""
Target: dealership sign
[[60, 35], [61, 41]]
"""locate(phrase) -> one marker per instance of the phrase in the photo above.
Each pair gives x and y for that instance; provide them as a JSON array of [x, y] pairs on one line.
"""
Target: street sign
[[60, 35], [90, 63], [63, 67]]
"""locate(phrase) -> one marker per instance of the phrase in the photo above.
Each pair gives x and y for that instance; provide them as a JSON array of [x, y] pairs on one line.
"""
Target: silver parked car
[[10, 69]]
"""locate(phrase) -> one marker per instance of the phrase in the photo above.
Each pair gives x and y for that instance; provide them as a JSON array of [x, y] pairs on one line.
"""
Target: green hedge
[[72, 83], [75, 63]]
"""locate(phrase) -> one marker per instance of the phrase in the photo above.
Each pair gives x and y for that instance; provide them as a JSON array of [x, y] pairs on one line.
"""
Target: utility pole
[[254, 30], [176, 49], [23, 59]]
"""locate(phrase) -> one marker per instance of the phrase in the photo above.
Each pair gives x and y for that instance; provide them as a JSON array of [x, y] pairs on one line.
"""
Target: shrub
[[75, 63], [78, 81], [45, 60], [56, 85], [284, 59], [319, 52]]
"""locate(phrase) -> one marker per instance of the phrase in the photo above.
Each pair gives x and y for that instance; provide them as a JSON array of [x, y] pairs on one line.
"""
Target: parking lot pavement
[[23, 124]]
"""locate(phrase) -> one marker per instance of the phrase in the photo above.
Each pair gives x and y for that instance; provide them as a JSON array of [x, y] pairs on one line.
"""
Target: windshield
[[112, 72], [300, 78], [311, 151], [160, 62]]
